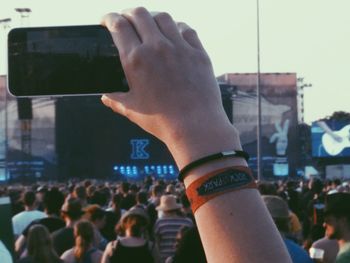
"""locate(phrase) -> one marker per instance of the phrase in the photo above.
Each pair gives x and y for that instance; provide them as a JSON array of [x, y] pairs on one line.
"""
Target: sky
[[308, 37]]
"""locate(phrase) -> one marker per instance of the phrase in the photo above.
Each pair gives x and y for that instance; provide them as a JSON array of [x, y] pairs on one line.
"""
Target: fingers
[[137, 26], [190, 35], [167, 26], [124, 35], [144, 24]]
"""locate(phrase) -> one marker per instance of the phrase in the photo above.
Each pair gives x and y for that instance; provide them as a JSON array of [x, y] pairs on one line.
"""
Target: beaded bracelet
[[210, 158]]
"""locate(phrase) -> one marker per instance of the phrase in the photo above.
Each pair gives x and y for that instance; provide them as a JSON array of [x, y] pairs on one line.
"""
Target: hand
[[281, 136], [173, 92]]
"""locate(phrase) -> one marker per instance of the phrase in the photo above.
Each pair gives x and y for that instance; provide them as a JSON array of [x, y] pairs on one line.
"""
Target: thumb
[[114, 101]]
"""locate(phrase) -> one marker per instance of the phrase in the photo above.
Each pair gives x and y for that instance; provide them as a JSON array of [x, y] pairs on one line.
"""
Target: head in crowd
[[72, 209], [99, 198], [124, 188], [53, 201], [29, 199], [90, 190], [133, 223], [170, 189], [267, 188], [185, 202], [96, 215], [84, 238], [116, 199], [134, 188], [279, 212], [316, 185], [189, 246], [80, 192], [157, 190], [71, 188], [148, 181], [142, 198], [39, 245], [169, 205], [337, 215], [40, 193], [87, 183]]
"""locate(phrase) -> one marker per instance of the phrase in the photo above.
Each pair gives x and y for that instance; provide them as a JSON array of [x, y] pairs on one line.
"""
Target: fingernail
[[105, 100]]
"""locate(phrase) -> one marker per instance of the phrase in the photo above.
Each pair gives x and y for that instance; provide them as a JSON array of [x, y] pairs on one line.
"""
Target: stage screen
[[330, 138]]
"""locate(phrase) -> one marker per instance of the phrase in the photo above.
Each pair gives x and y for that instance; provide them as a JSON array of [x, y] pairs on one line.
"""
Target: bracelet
[[219, 182], [209, 158]]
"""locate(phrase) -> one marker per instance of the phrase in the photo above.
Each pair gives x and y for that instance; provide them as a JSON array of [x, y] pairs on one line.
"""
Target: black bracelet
[[209, 158]]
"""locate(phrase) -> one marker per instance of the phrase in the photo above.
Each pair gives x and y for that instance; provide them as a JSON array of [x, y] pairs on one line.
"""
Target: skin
[[174, 96]]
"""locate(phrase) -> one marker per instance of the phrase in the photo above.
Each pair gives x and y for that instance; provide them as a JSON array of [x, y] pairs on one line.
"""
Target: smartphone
[[63, 61]]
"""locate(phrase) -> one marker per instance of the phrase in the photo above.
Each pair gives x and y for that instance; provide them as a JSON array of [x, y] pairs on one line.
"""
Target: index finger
[[123, 33]]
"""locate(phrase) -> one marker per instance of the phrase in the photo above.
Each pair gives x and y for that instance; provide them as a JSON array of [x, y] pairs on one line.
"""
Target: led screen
[[330, 138]]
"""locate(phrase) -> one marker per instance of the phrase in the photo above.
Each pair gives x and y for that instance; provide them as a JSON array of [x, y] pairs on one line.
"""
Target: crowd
[[151, 221], [92, 222]]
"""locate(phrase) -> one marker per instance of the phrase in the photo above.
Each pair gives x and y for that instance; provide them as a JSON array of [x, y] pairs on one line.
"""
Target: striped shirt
[[165, 231]]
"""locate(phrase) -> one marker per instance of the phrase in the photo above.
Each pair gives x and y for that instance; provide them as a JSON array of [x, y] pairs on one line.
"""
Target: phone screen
[[58, 61]]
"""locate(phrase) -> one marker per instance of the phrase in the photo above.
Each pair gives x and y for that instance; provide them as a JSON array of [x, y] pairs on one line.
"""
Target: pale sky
[[308, 37]]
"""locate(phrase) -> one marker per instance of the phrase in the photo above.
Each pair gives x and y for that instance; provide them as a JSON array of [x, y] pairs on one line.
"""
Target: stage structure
[[279, 143]]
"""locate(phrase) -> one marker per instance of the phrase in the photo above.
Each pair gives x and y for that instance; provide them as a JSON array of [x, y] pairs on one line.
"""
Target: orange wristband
[[217, 183]]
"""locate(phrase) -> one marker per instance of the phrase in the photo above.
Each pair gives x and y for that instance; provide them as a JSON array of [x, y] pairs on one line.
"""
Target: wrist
[[192, 143]]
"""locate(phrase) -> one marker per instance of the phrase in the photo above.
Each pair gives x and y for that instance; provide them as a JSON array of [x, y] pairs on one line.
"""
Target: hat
[[135, 211], [277, 207], [168, 203], [338, 204], [72, 208]]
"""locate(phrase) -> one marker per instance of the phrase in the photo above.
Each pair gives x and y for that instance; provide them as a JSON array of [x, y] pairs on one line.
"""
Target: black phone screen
[[68, 60]]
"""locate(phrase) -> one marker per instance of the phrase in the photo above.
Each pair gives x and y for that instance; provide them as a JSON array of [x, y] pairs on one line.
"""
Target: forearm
[[236, 226]]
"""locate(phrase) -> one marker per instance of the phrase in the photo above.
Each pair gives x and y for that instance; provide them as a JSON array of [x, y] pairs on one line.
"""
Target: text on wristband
[[229, 179]]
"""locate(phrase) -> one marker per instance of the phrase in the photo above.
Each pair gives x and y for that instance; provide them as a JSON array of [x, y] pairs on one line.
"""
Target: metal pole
[[7, 175], [258, 86]]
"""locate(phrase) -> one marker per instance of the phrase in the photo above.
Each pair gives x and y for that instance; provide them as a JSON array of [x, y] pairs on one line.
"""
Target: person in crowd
[[40, 193], [100, 197], [167, 227], [186, 207], [52, 201], [163, 59], [188, 247], [63, 239], [39, 247], [113, 214], [97, 216], [295, 228], [21, 220], [314, 205], [329, 247], [132, 245], [170, 189], [128, 199], [337, 223], [141, 200], [154, 201], [84, 250], [279, 211], [80, 194], [5, 254], [90, 191]]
